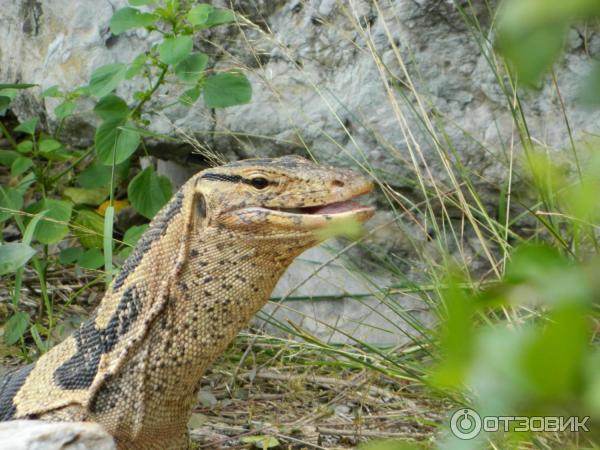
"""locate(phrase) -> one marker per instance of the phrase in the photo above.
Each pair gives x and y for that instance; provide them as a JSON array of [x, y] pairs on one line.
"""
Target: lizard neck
[[224, 281]]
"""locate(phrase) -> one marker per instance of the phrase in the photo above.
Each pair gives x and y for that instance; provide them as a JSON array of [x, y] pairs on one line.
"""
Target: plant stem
[[72, 166], [137, 111], [7, 135]]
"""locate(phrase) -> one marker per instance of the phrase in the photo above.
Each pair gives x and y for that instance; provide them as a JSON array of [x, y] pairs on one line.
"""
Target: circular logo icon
[[465, 424]]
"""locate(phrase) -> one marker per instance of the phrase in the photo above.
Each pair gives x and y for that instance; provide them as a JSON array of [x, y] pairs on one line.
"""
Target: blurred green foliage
[[526, 345], [531, 34]]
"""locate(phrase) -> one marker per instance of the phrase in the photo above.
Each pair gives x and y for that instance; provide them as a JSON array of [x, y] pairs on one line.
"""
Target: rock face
[[339, 305], [333, 77], [399, 87], [40, 435]]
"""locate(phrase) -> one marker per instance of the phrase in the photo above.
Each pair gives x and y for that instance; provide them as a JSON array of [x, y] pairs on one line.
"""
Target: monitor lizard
[[206, 264]]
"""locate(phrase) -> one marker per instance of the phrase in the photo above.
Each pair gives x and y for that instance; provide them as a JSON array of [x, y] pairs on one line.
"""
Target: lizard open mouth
[[317, 216], [345, 206], [338, 207]]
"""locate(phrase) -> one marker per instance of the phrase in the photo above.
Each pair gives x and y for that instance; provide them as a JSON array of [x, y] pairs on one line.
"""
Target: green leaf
[[52, 91], [89, 228], [136, 66], [10, 199], [349, 228], [190, 69], [105, 79], [7, 157], [70, 255], [127, 18], [49, 145], [260, 441], [563, 339], [25, 146], [220, 16], [25, 182], [32, 226], [91, 259], [54, 226], [176, 49], [133, 234], [391, 444], [556, 281], [53, 150], [20, 166], [532, 53], [98, 175], [15, 327], [37, 338], [13, 256], [4, 104], [206, 16], [196, 420], [62, 154], [16, 86], [28, 126], [80, 91], [199, 14], [191, 96], [83, 196], [227, 89], [531, 34], [148, 133], [115, 144], [533, 262], [149, 192], [141, 2], [10, 93], [65, 109], [111, 107]]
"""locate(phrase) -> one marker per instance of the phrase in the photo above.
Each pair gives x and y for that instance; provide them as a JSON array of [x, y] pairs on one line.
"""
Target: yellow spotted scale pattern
[[207, 263]]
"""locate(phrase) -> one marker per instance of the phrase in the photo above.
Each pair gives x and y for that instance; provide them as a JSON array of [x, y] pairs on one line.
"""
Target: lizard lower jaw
[[345, 208], [318, 216]]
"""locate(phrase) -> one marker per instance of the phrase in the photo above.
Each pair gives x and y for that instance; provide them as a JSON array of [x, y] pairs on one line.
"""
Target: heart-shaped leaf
[[13, 256], [176, 49], [114, 144], [227, 89], [148, 192], [127, 18], [105, 79]]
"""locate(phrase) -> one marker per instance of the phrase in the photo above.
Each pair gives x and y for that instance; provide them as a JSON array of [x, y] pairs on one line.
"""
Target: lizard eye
[[259, 182]]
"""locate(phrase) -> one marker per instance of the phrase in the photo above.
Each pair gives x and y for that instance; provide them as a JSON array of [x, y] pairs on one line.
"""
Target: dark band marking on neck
[[10, 386]]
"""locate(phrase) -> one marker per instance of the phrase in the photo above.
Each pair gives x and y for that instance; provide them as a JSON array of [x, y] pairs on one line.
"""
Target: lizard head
[[280, 195]]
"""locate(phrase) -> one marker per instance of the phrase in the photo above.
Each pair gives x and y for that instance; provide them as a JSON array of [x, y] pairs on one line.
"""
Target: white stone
[[40, 435]]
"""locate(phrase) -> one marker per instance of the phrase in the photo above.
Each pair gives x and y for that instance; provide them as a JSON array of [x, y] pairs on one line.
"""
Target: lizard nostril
[[337, 183]]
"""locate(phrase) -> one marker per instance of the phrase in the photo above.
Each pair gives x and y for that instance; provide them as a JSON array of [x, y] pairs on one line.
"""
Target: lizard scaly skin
[[207, 263]]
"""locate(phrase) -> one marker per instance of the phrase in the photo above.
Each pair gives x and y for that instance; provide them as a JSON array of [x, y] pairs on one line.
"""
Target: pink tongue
[[335, 208]]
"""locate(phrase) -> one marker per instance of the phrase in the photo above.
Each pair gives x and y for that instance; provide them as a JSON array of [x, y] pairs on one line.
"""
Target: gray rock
[[317, 83], [339, 304], [40, 435]]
